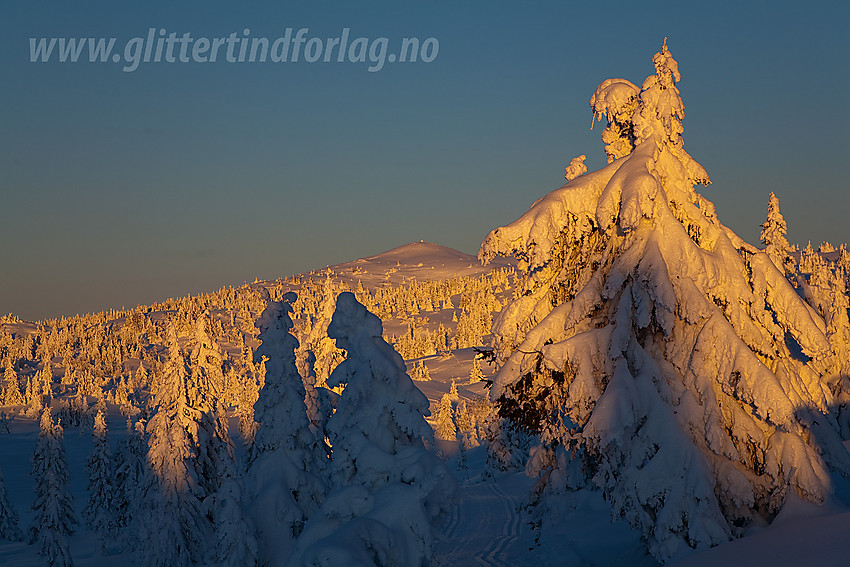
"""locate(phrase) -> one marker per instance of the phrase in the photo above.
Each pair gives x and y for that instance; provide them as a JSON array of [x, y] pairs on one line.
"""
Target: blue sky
[[120, 188]]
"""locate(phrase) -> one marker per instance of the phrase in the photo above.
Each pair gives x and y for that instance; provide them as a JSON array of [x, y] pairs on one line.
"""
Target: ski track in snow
[[483, 530]]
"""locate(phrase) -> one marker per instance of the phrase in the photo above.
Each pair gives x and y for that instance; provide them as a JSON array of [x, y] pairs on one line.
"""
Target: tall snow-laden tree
[[99, 466], [288, 462], [204, 387], [388, 488], [178, 530], [656, 354], [53, 508]]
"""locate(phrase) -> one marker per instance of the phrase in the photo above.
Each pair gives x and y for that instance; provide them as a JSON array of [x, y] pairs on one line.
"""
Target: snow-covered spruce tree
[[53, 508], [141, 377], [130, 480], [320, 403], [204, 387], [9, 527], [654, 346], [235, 541], [248, 395], [773, 233], [475, 373], [11, 390], [388, 488], [288, 462], [183, 456], [206, 358], [446, 429], [34, 398], [99, 466], [325, 354]]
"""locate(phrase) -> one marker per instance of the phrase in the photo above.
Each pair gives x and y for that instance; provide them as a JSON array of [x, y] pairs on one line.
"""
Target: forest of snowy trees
[[641, 349], [237, 431], [120, 357]]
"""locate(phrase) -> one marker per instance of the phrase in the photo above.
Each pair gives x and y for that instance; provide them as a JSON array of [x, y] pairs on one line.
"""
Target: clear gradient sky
[[120, 188]]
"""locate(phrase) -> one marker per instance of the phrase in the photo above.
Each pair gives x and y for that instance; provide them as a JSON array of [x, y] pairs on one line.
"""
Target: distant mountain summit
[[422, 261], [422, 251]]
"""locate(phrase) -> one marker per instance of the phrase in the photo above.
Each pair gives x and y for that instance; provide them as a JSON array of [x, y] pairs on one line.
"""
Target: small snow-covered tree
[[141, 377], [11, 390], [99, 466], [53, 507], [467, 427], [773, 233], [34, 398], [9, 527], [446, 429], [45, 380], [388, 488], [774, 229], [420, 372], [576, 168], [320, 404], [475, 373]]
